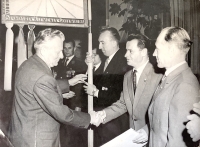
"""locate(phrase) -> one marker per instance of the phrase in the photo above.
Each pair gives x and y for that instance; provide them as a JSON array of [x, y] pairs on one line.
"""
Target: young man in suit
[[179, 90], [138, 86], [67, 68], [70, 65], [109, 87], [38, 106]]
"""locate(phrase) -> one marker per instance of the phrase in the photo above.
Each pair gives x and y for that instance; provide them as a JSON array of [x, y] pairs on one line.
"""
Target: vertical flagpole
[[90, 72], [8, 57]]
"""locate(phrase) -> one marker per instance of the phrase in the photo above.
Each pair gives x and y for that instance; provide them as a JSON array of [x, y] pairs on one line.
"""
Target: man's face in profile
[[133, 53], [162, 51], [53, 51], [106, 43], [68, 49]]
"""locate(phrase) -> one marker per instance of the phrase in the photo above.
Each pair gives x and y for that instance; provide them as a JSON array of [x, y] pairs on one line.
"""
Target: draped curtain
[[186, 14]]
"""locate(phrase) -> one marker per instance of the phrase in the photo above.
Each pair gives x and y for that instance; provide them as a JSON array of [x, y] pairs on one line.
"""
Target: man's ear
[[172, 50], [144, 52], [43, 51], [114, 43]]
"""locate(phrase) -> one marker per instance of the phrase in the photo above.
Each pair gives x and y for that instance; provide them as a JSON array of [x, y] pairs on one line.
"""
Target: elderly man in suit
[[175, 95], [38, 103], [193, 126], [138, 86], [109, 87]]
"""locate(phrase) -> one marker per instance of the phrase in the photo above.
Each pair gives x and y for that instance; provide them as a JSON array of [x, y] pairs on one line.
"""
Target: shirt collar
[[70, 58], [169, 70], [141, 68], [97, 65]]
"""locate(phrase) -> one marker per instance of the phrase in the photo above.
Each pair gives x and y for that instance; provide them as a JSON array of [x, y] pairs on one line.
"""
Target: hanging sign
[[46, 12]]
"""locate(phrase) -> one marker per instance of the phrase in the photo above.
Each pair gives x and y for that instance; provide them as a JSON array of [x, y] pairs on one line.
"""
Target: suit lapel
[[112, 63], [72, 61], [175, 73], [141, 85]]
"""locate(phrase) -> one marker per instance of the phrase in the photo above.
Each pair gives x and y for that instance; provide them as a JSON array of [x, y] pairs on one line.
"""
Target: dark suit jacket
[[96, 79], [38, 107], [137, 104], [75, 64], [111, 82], [98, 73], [80, 68], [172, 103]]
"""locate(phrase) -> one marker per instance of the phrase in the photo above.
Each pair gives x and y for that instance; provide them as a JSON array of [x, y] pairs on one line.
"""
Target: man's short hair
[[70, 40], [46, 35], [113, 32], [143, 41], [179, 36]]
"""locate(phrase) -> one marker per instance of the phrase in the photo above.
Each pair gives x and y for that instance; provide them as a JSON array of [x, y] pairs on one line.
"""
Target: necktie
[[106, 64], [65, 63], [134, 80]]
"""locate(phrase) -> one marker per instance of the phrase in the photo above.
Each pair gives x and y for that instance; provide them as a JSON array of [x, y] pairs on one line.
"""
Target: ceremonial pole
[[8, 57], [90, 72]]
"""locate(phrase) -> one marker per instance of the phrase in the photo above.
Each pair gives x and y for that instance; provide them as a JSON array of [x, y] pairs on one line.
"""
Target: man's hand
[[77, 79], [196, 107], [193, 127], [141, 137], [90, 89], [68, 95], [89, 58], [97, 117]]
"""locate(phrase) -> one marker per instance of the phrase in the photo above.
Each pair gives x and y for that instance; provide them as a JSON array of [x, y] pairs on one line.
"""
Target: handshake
[[97, 117]]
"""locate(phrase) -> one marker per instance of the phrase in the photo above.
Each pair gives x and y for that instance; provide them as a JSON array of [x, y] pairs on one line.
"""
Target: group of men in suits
[[169, 101], [38, 106]]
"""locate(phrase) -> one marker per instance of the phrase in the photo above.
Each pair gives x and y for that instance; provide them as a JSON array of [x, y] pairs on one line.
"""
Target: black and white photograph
[[100, 73]]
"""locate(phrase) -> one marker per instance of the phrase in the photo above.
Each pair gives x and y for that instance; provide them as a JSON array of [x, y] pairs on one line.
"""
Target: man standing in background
[[108, 90], [70, 65]]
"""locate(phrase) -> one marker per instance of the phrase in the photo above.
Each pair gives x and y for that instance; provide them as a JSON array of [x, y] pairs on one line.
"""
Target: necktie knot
[[65, 63]]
